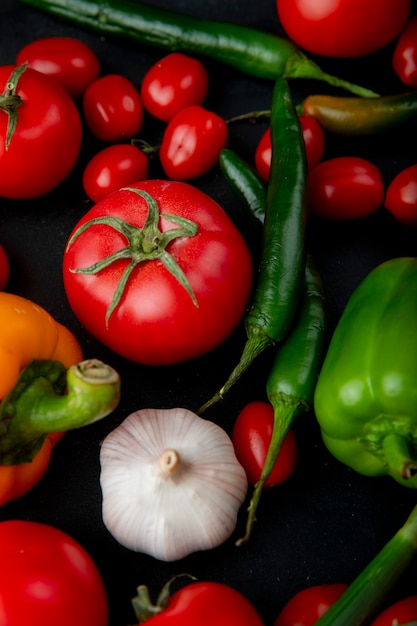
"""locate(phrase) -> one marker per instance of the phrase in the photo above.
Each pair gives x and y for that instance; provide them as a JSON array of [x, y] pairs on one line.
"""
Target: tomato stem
[[10, 102]]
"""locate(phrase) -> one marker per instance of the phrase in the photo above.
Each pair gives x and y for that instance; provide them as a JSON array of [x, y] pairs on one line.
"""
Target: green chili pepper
[[360, 116], [246, 49], [366, 396]]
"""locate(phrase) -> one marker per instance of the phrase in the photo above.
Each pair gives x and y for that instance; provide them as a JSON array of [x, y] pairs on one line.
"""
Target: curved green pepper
[[366, 396]]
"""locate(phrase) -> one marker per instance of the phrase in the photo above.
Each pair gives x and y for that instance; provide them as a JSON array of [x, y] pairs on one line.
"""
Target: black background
[[326, 522]]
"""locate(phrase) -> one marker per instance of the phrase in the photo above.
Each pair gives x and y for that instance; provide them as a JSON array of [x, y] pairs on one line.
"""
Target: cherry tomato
[[47, 578], [175, 82], [161, 318], [251, 436], [192, 142], [402, 612], [314, 141], [4, 268], [112, 168], [345, 188], [46, 143], [113, 108], [343, 28], [401, 196], [404, 59], [70, 61], [308, 605]]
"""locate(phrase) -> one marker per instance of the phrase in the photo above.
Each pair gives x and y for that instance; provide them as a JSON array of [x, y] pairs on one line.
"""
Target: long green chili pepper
[[360, 116], [244, 48], [366, 593], [283, 255]]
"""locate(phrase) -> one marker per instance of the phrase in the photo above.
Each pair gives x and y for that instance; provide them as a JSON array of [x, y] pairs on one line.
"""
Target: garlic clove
[[171, 483]]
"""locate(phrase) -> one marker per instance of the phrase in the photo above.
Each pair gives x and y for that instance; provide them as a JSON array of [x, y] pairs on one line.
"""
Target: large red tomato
[[187, 270], [46, 142], [342, 28], [402, 612], [47, 578]]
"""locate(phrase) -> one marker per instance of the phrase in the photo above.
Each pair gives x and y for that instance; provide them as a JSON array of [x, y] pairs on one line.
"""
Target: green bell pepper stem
[[366, 593], [47, 398], [397, 455]]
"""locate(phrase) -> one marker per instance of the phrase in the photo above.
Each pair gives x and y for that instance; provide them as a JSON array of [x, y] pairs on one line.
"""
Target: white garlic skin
[[170, 514]]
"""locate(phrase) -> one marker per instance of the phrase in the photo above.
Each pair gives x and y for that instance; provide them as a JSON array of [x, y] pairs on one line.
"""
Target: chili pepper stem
[[367, 592]]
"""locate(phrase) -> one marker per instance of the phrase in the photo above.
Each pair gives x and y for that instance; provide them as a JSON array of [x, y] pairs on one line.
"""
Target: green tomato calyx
[[10, 101]]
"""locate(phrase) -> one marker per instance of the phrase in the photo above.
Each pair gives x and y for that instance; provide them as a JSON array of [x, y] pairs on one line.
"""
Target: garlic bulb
[[171, 483]]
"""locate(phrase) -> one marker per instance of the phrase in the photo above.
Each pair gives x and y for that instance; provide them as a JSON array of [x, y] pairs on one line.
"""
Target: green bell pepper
[[366, 395]]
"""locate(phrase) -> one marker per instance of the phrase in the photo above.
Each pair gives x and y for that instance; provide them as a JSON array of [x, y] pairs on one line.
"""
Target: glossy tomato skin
[[401, 196], [308, 605], [174, 83], [47, 578], [205, 604], [402, 612], [156, 322], [251, 436], [192, 143], [70, 61], [404, 59], [345, 188], [343, 28], [4, 268], [47, 140], [114, 167], [113, 108]]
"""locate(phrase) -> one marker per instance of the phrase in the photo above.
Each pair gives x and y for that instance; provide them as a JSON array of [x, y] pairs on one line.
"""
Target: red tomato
[[192, 142], [345, 188], [113, 108], [70, 61], [112, 168], [35, 161], [401, 196], [47, 578], [205, 604], [158, 321], [402, 612], [4, 268], [342, 28], [175, 82], [308, 605], [251, 436], [314, 141], [404, 59]]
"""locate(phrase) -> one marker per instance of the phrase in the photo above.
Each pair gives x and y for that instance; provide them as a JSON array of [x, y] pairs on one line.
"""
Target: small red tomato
[[112, 168], [70, 61], [401, 196], [308, 605], [175, 82], [192, 142], [251, 436], [402, 612], [4, 268], [404, 59], [113, 108], [345, 188]]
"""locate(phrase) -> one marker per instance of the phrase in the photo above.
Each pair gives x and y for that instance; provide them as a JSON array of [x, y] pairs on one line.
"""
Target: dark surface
[[326, 522]]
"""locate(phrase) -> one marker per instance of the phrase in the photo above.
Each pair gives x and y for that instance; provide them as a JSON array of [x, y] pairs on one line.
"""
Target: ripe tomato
[[70, 61], [205, 604], [112, 168], [345, 188], [314, 141], [342, 28], [308, 605], [192, 143], [113, 108], [4, 268], [175, 82], [251, 436], [401, 196], [160, 318], [47, 578], [35, 161], [404, 59], [402, 612]]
